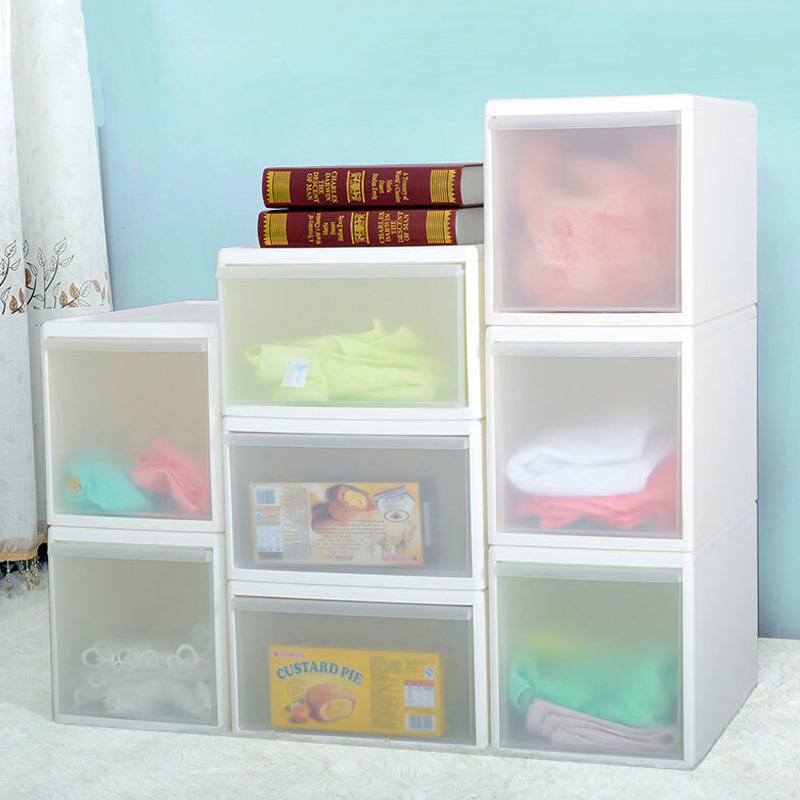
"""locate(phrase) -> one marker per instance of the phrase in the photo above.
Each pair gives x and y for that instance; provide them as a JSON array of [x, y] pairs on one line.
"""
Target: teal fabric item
[[97, 482], [638, 688], [369, 367]]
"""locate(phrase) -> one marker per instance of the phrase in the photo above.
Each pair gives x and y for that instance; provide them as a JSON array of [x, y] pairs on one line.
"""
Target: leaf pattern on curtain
[[53, 260], [12, 299], [44, 278]]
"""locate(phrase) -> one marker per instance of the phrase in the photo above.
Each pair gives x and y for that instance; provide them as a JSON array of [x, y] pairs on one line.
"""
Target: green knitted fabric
[[638, 687], [369, 367]]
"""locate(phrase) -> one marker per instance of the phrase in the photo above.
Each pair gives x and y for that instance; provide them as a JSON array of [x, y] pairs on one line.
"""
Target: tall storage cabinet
[[135, 501], [354, 471], [621, 424]]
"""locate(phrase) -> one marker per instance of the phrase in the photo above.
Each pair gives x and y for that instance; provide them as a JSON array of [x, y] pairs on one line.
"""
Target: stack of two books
[[372, 206]]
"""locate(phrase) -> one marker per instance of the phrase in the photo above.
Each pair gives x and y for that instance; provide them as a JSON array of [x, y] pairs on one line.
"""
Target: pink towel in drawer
[[657, 501], [164, 469]]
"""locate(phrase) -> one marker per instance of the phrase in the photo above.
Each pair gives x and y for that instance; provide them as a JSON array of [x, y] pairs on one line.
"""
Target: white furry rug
[[757, 757]]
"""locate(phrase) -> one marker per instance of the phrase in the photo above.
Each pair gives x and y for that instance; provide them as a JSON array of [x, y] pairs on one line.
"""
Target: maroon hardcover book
[[390, 227], [440, 185]]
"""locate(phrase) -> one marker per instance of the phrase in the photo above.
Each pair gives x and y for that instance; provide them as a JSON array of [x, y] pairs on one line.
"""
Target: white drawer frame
[[124, 539], [117, 331], [472, 430], [717, 182], [249, 262], [474, 600], [718, 426], [719, 645]]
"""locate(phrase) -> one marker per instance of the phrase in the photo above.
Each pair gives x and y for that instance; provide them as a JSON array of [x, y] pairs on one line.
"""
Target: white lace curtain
[[53, 258]]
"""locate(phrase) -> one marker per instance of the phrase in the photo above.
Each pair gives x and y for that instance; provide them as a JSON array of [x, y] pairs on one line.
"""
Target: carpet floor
[[757, 757]]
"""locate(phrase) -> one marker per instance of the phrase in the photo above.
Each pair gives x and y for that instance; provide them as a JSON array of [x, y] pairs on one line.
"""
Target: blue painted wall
[[195, 98]]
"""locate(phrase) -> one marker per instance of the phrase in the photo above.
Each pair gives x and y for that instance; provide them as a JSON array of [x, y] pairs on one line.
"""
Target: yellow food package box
[[355, 691], [345, 524]]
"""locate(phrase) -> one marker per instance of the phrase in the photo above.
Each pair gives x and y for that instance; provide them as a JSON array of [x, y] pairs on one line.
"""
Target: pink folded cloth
[[598, 228], [567, 728], [657, 501], [164, 469]]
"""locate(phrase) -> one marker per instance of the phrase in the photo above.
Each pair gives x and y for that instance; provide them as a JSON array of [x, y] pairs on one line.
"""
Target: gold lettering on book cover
[[333, 229], [380, 187], [394, 227], [312, 182], [315, 228], [400, 186], [330, 188]]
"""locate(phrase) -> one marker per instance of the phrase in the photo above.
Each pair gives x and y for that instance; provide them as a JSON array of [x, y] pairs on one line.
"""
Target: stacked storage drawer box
[[621, 424], [353, 449], [134, 479], [294, 496]]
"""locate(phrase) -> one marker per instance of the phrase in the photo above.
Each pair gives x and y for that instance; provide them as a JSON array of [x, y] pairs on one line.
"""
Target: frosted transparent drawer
[[134, 635], [586, 213], [345, 669], [628, 657], [368, 509], [349, 333], [589, 660], [622, 206], [586, 439], [129, 432], [614, 437]]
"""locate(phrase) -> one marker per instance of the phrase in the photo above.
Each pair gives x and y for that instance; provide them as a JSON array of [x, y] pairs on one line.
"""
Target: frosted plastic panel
[[587, 442], [135, 639], [590, 667], [424, 530], [346, 608], [579, 572], [256, 631], [595, 121], [120, 552], [130, 433], [344, 341], [141, 345], [586, 218]]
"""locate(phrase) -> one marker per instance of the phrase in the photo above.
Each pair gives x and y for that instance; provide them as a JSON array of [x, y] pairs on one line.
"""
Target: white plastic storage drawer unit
[[386, 333], [640, 438], [138, 629], [132, 419], [376, 666], [359, 503], [622, 656], [640, 207]]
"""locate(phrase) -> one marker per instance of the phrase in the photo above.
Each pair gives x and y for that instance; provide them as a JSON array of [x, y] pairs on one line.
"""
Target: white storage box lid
[[186, 319], [325, 256], [633, 104]]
